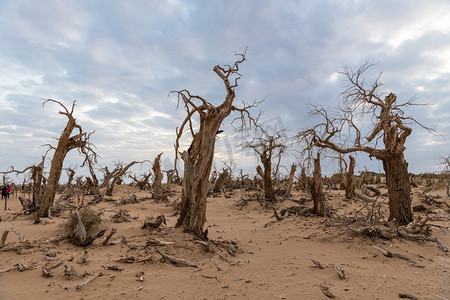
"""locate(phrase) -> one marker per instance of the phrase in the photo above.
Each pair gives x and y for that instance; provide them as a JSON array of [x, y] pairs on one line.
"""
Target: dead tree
[[118, 172], [349, 187], [290, 180], [198, 157], [170, 177], [230, 167], [157, 177], [243, 178], [108, 175], [67, 141], [142, 182], [303, 180], [91, 183], [446, 172], [222, 182], [316, 188], [268, 148], [338, 130]]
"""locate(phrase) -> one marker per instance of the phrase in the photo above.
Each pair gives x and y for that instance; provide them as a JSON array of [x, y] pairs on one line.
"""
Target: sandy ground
[[273, 260]]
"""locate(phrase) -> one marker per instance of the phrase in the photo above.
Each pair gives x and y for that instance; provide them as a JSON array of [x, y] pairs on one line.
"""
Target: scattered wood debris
[[69, 273], [22, 267], [318, 264], [127, 260], [326, 291], [140, 276], [154, 242], [82, 285], [150, 224], [388, 253], [64, 287], [176, 261], [113, 268], [407, 296], [121, 216], [19, 235], [47, 271], [340, 272], [113, 231], [83, 260], [136, 290]]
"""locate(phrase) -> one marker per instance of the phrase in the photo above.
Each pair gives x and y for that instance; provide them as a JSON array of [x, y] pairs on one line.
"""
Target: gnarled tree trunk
[[349, 187], [196, 180], [37, 183], [291, 180], [316, 188], [269, 192], [66, 142], [157, 175], [399, 189]]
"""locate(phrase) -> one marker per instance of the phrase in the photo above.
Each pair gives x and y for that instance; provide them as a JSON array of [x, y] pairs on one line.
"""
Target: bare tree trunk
[[269, 192], [399, 189], [157, 175], [291, 180], [349, 187], [37, 183], [317, 194], [195, 187], [303, 180]]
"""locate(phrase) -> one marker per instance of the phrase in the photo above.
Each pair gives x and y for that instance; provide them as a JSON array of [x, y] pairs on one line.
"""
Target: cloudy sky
[[120, 60]]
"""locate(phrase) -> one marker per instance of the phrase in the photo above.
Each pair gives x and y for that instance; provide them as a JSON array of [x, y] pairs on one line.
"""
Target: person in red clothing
[[8, 191]]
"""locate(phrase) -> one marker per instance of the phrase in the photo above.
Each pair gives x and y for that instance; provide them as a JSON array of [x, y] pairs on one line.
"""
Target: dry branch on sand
[[82, 285], [176, 261]]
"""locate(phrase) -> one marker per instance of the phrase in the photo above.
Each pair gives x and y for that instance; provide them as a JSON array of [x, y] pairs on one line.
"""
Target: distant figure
[[4, 192], [8, 191]]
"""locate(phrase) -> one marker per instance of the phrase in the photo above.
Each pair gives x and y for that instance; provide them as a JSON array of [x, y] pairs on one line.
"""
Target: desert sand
[[250, 255]]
